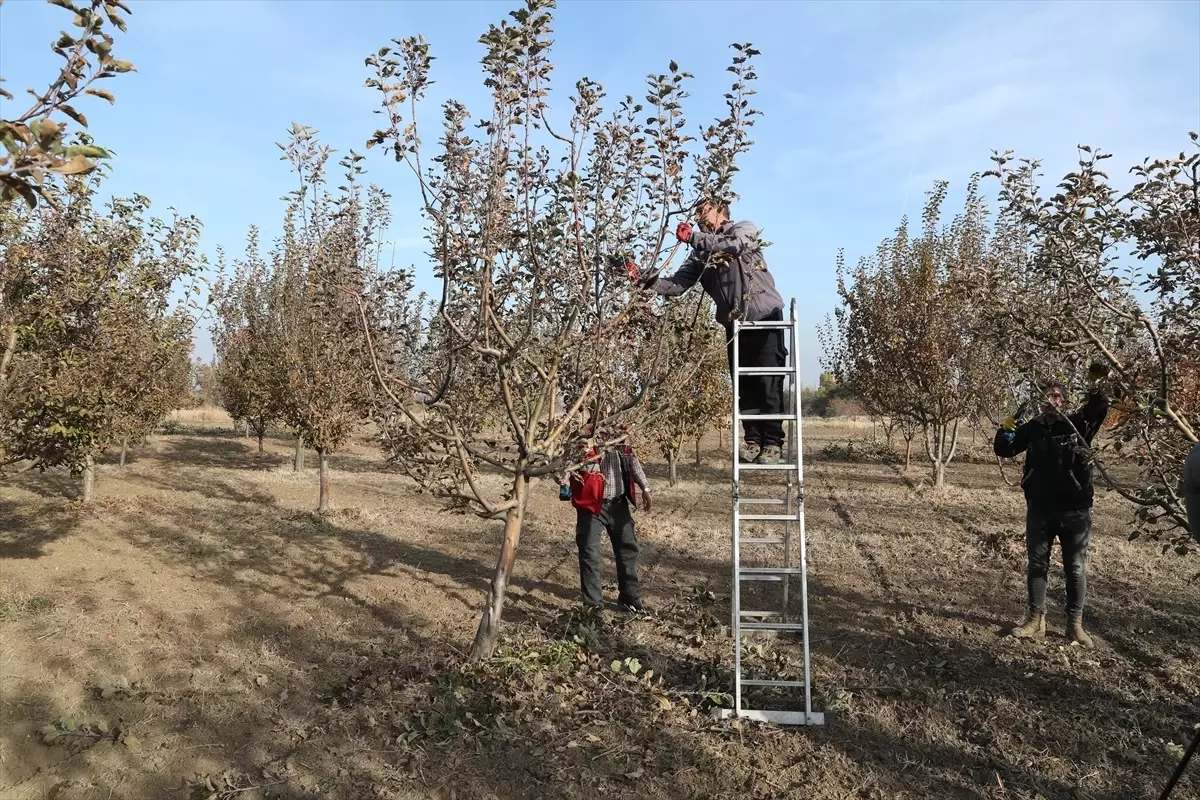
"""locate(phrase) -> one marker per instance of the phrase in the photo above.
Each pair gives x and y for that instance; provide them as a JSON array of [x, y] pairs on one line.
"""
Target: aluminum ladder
[[790, 515]]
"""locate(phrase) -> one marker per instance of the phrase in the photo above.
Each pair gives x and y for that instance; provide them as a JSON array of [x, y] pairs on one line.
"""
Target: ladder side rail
[[734, 438], [800, 507]]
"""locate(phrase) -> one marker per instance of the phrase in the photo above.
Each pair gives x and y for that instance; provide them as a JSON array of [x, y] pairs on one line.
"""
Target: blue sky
[[865, 104]]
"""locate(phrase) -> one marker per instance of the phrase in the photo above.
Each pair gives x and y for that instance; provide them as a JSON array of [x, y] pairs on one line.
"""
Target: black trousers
[[616, 519], [760, 394], [1073, 529]]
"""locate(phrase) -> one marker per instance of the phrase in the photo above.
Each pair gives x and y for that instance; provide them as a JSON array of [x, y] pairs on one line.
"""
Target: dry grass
[[231, 639]]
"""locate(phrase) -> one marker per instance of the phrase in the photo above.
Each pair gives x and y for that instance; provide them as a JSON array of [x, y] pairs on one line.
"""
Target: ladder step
[[762, 540], [762, 501], [766, 371], [766, 578], [756, 682], [792, 467], [761, 614], [771, 626], [769, 518], [768, 417], [767, 323], [776, 717], [769, 571]]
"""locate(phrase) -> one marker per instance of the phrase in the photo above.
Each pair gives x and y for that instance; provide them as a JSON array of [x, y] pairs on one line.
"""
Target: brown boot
[[1075, 631], [1034, 625]]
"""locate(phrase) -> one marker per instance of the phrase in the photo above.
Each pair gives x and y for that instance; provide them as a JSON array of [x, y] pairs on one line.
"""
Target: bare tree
[[539, 324]]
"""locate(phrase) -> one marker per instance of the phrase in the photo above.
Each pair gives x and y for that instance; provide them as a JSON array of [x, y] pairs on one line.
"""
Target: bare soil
[[199, 632]]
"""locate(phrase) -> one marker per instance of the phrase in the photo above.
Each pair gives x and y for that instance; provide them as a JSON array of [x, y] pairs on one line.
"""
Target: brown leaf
[[102, 93], [76, 166]]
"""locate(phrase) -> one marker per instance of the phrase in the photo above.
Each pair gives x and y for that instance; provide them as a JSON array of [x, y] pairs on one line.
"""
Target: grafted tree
[[326, 258], [696, 346], [902, 341], [1096, 272], [530, 227], [100, 342], [250, 373]]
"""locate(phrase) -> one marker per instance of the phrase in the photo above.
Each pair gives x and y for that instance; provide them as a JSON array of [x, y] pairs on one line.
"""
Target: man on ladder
[[728, 262]]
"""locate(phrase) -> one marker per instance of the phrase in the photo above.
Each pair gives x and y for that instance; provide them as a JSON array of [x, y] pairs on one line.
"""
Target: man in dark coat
[[1057, 482]]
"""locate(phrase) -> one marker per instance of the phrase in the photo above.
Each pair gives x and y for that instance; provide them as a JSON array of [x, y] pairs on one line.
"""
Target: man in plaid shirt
[[609, 510]]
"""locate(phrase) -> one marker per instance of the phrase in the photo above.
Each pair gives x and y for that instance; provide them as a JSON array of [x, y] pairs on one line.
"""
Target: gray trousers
[[1189, 486], [616, 520]]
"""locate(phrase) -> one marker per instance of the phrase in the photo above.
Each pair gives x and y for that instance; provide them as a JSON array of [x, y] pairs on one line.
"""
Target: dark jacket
[[730, 267], [1058, 471]]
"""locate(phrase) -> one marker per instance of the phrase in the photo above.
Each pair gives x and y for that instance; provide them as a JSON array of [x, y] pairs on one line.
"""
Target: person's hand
[[1016, 418], [646, 501], [1098, 371], [631, 269], [684, 232]]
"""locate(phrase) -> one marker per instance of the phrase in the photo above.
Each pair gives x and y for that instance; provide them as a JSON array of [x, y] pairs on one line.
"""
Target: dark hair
[[720, 206], [1053, 384]]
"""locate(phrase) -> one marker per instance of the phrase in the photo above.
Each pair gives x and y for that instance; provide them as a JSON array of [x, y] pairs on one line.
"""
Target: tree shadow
[[25, 532], [220, 453]]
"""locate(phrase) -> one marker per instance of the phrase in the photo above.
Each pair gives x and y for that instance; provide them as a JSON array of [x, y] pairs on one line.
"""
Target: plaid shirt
[[610, 467]]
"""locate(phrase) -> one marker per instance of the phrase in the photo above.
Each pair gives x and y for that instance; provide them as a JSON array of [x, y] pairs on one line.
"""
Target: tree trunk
[[673, 466], [299, 462], [124, 449], [246, 429], [939, 473], [260, 442], [489, 625], [907, 454], [323, 501], [698, 460], [89, 480]]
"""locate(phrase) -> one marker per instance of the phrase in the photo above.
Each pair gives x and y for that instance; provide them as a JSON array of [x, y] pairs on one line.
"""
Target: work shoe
[[748, 451], [1075, 631], [1034, 625], [771, 454], [637, 609]]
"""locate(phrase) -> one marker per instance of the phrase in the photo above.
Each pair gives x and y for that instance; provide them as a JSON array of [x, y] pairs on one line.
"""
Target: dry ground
[[198, 632]]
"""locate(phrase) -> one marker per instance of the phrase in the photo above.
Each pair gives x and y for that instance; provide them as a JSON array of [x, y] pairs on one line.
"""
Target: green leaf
[[87, 150], [116, 65], [615, 666]]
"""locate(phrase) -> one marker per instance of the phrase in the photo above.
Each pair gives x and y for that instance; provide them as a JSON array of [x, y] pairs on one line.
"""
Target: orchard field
[[241, 646]]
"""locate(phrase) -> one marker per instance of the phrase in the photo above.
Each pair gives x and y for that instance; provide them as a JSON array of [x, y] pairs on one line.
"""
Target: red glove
[[684, 232], [631, 269]]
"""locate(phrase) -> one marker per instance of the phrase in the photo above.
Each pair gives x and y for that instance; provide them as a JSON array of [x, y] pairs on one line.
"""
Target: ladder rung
[[762, 540], [756, 682], [763, 501], [775, 717], [767, 578], [767, 323], [761, 614], [766, 371], [769, 571], [767, 417], [770, 518], [768, 466], [771, 626]]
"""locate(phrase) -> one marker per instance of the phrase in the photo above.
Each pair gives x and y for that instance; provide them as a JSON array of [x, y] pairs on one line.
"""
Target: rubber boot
[[1033, 625], [1076, 633]]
